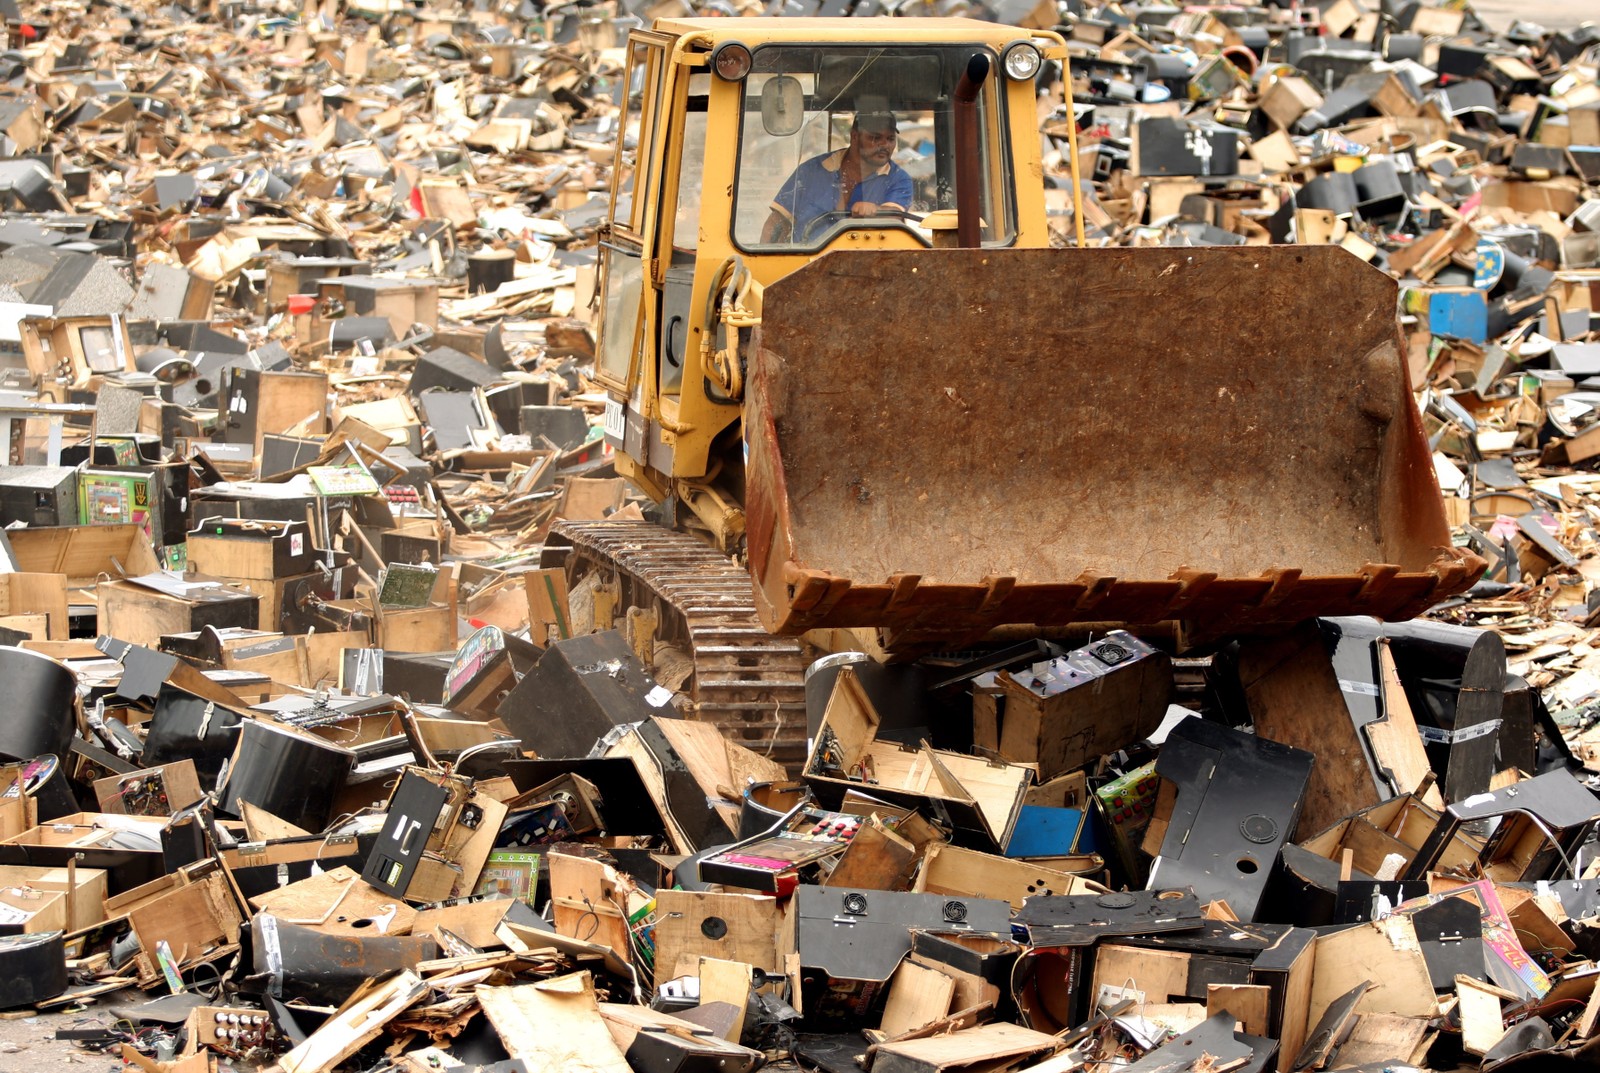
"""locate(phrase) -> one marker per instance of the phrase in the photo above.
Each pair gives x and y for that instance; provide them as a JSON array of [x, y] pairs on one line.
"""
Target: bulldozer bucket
[[943, 442]]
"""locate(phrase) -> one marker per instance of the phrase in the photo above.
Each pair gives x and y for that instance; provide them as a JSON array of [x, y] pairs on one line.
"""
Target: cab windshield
[[844, 137]]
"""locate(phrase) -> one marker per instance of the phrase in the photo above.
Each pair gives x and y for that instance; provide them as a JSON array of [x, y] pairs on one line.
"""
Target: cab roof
[[846, 31]]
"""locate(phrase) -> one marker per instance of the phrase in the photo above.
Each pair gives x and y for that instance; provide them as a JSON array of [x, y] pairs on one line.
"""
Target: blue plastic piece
[[1050, 832], [1459, 315]]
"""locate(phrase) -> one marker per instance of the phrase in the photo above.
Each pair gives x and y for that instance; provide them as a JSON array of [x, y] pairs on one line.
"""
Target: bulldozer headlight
[[731, 61], [1021, 61]]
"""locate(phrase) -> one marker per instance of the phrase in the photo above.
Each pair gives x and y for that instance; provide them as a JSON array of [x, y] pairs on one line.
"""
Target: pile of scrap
[[1462, 161], [1365, 843]]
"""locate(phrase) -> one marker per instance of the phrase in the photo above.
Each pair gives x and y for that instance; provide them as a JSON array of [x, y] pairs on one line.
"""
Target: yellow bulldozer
[[842, 355]]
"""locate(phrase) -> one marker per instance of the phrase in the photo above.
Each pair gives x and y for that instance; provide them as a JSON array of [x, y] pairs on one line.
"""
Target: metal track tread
[[748, 683]]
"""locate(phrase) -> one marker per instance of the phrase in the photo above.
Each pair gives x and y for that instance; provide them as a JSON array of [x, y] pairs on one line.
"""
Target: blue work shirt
[[813, 189]]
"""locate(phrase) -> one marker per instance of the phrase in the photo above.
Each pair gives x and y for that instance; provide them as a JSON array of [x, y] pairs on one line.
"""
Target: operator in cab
[[859, 180]]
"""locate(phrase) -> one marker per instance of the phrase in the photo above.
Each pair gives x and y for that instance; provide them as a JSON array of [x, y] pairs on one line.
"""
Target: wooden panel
[[37, 594], [587, 902], [1396, 746], [553, 1024], [325, 654], [918, 996], [1064, 791], [291, 404], [269, 618], [46, 909], [473, 921], [423, 629], [722, 768], [261, 825], [1386, 1039], [1293, 1023], [337, 902], [851, 718], [727, 982], [1248, 1003], [876, 859], [85, 889], [1294, 698], [84, 552], [746, 930], [1482, 1023], [1369, 846], [194, 920], [31, 627], [971, 990], [1384, 952], [969, 873], [18, 814], [985, 723], [1162, 975]]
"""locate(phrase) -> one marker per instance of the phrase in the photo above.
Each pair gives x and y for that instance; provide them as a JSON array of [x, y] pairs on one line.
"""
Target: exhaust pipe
[[969, 225]]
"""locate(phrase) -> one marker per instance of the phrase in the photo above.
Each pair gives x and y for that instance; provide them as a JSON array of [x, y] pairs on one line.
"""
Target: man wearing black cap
[[858, 180]]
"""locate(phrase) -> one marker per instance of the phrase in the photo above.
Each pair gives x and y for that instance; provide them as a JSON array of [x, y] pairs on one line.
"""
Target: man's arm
[[900, 192], [896, 192], [778, 228], [780, 222]]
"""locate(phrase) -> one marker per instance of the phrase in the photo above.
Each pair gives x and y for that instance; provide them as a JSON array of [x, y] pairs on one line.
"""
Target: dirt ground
[[28, 1043]]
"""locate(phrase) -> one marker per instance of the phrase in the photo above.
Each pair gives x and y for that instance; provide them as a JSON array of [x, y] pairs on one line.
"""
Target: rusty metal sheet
[[946, 441]]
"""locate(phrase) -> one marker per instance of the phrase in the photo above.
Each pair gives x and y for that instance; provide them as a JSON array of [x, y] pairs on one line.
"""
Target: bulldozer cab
[[735, 145], [808, 108]]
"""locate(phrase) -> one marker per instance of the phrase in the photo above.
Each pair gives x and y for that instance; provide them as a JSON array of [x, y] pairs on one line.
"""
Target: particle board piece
[[1154, 976], [992, 1046], [473, 921], [1385, 1038], [336, 902], [26, 597], [876, 859], [1385, 952], [358, 1023], [727, 982], [714, 761], [1396, 746], [972, 992], [587, 897], [918, 996], [969, 873], [1590, 1015], [1482, 1022], [1249, 1004], [197, 920], [745, 929], [553, 1024], [1294, 698], [262, 826], [30, 627]]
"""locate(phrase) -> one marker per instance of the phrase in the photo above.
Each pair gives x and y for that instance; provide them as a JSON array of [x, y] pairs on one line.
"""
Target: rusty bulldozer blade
[[948, 441]]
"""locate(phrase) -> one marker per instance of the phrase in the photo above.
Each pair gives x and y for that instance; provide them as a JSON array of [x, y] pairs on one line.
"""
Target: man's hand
[[863, 208]]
